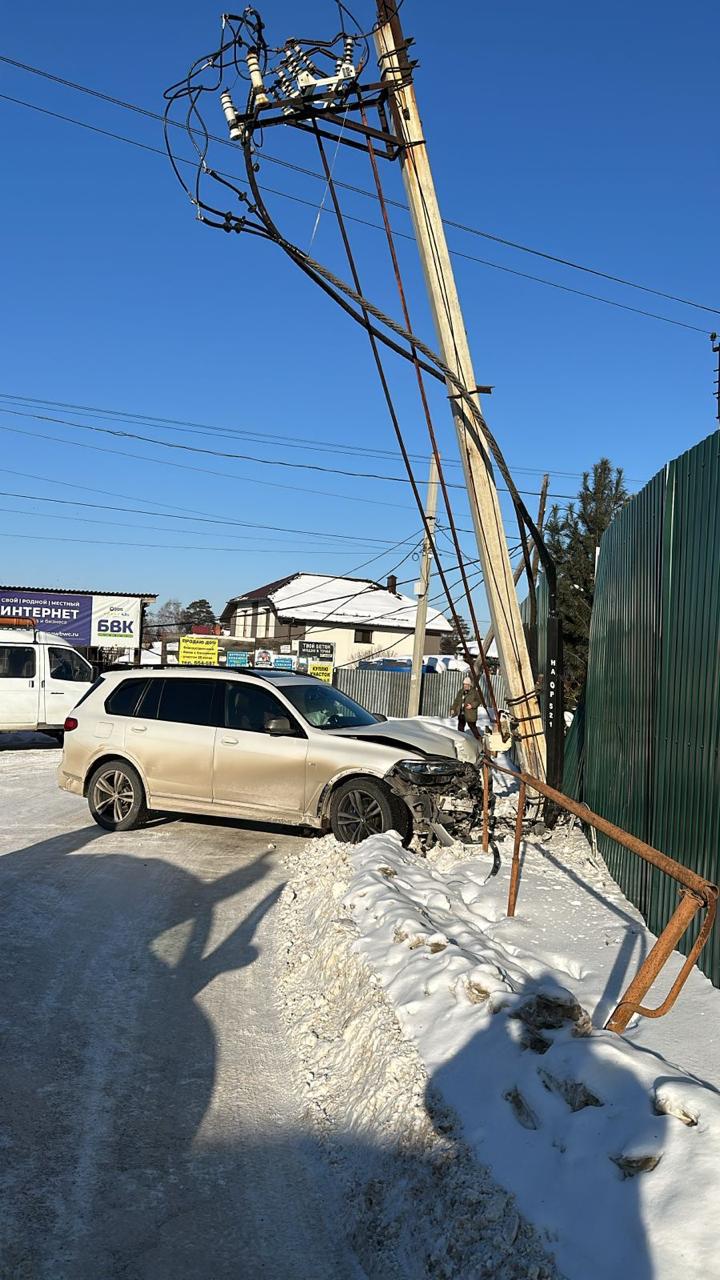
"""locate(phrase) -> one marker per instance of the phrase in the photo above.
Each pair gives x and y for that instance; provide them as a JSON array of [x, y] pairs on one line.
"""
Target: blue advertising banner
[[61, 615], [238, 658]]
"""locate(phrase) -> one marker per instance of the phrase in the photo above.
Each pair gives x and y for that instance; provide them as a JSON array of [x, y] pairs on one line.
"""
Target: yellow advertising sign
[[321, 670], [198, 651]]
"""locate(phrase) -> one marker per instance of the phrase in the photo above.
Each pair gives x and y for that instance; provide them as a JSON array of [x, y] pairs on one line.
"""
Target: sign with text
[[321, 671], [110, 622], [198, 651], [263, 658], [61, 614], [238, 658], [115, 622], [283, 662], [322, 650]]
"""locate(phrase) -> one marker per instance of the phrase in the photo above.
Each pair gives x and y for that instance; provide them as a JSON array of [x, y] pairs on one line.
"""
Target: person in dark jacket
[[465, 707]]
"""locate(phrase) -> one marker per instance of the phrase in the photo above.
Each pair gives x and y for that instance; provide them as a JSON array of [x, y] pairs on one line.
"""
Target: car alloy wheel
[[113, 795], [358, 816]]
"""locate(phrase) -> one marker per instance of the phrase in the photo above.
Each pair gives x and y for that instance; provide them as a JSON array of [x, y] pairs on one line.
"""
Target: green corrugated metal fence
[[645, 752]]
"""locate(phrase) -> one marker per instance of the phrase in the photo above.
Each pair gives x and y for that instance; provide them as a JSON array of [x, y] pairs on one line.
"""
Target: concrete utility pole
[[390, 46], [422, 594]]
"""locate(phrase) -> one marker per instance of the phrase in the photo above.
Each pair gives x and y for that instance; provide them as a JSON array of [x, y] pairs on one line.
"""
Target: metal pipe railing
[[697, 892]]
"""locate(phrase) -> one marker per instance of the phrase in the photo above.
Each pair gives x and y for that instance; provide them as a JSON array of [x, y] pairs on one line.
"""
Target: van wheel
[[362, 807], [116, 796]]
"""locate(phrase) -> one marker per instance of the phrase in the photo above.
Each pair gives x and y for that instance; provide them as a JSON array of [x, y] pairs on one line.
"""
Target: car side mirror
[[379, 716], [279, 727]]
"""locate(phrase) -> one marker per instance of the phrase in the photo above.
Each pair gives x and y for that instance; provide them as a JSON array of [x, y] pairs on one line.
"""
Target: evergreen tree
[[573, 539], [451, 641], [198, 613]]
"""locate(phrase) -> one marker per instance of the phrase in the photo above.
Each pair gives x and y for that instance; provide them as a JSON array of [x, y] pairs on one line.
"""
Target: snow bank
[[611, 1149], [418, 1203]]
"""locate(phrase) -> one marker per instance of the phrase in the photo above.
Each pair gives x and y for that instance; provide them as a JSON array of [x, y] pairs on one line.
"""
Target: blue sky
[[589, 133]]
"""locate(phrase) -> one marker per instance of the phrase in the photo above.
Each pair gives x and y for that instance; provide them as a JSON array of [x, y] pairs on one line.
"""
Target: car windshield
[[326, 708]]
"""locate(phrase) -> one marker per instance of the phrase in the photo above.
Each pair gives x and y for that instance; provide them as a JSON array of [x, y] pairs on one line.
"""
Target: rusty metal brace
[[696, 893]]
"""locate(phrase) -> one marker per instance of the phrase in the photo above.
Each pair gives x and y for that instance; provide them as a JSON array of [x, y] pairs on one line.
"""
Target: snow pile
[[611, 1149], [418, 1204]]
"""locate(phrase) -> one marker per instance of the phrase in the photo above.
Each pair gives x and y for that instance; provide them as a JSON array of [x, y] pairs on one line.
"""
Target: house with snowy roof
[[359, 616]]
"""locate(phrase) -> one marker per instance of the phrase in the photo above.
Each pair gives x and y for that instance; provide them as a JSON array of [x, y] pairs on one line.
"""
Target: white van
[[41, 679]]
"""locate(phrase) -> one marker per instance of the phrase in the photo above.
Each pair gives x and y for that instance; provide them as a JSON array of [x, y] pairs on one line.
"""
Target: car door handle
[[138, 728], [230, 742], [56, 693]]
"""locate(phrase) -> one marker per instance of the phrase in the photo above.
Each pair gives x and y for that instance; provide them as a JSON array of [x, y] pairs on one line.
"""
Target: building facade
[[359, 617]]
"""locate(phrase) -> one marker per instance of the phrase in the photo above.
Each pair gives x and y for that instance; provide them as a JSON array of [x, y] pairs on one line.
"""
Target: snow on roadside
[[611, 1149], [418, 1203]]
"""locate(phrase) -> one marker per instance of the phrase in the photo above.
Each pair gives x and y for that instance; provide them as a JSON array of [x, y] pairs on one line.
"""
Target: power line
[[395, 203], [150, 546], [399, 204], [246, 524], [282, 543], [222, 453], [294, 442]]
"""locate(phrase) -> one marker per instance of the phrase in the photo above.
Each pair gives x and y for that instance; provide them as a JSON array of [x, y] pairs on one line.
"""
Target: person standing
[[465, 707]]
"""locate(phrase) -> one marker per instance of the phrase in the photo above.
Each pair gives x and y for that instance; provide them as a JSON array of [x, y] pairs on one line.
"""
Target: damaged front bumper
[[445, 798]]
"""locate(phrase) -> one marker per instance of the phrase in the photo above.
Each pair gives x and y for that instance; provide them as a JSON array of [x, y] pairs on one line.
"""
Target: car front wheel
[[116, 796], [362, 807]]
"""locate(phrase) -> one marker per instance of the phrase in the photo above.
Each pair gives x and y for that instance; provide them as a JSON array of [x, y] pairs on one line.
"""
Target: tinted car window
[[149, 704], [250, 708], [327, 708], [124, 698], [65, 664], [188, 701], [17, 662]]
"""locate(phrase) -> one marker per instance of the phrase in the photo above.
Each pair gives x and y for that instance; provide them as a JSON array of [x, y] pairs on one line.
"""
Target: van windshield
[[326, 708]]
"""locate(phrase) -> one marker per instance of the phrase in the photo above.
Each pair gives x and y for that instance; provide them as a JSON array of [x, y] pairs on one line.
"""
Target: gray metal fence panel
[[387, 692]]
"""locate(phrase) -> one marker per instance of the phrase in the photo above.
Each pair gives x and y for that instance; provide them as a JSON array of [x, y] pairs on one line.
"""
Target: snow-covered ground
[[473, 1045]]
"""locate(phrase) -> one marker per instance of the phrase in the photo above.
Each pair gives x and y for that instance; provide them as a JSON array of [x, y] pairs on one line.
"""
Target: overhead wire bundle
[[287, 80]]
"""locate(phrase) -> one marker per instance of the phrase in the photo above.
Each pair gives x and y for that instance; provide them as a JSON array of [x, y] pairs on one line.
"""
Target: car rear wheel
[[116, 796], [362, 807]]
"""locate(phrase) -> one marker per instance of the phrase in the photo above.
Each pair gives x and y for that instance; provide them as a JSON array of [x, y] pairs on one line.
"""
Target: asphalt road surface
[[148, 1123]]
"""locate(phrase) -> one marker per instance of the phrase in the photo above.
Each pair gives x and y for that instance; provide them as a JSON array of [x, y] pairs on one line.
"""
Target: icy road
[[148, 1124]]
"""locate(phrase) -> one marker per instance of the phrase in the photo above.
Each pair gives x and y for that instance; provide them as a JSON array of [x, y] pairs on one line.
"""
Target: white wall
[[261, 625]]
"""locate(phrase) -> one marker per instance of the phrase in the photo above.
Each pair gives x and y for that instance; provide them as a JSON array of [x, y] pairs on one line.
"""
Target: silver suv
[[271, 746]]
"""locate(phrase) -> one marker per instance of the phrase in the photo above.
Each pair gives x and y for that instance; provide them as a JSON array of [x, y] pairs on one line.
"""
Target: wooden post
[[450, 328], [422, 604]]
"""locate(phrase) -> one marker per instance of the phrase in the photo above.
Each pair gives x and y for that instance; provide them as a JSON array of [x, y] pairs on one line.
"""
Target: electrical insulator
[[231, 116], [305, 60], [344, 67], [253, 65], [287, 90]]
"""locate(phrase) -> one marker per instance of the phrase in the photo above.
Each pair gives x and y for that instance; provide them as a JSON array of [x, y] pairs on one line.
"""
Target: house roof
[[148, 596], [360, 602]]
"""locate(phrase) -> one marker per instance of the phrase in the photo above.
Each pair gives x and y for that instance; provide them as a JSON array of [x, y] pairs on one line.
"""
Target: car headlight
[[432, 772]]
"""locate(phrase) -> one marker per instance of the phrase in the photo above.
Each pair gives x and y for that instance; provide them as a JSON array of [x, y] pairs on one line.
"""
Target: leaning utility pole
[[395, 68], [520, 570], [422, 594]]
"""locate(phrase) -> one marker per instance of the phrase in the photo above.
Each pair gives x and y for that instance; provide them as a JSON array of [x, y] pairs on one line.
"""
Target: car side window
[[17, 662], [189, 701], [149, 704], [124, 698], [66, 664], [251, 708]]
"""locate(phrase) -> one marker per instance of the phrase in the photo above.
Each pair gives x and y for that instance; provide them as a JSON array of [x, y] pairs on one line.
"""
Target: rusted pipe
[[486, 806], [515, 871], [696, 893], [696, 884], [681, 919]]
